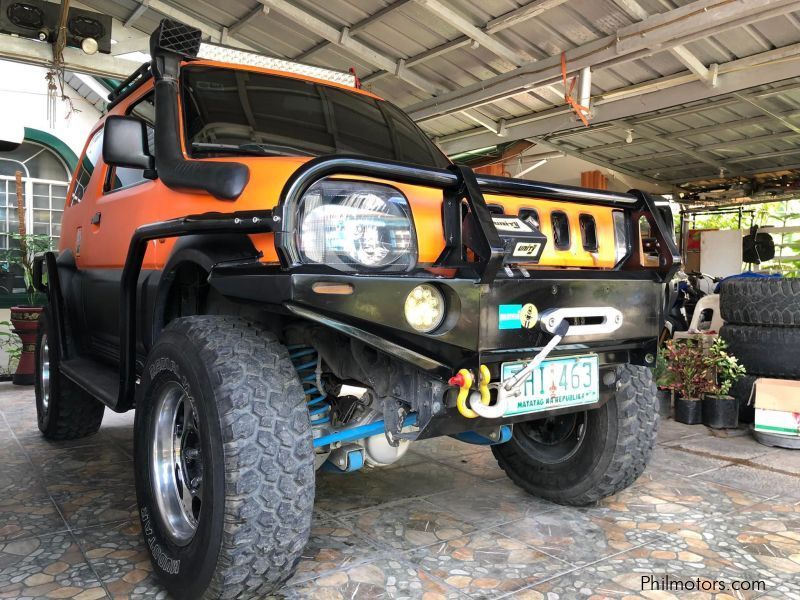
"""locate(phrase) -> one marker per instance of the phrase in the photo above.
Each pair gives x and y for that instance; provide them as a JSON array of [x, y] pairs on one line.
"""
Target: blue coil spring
[[304, 359]]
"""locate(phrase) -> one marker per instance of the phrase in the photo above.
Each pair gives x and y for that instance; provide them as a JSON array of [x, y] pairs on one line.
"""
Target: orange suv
[[281, 273]]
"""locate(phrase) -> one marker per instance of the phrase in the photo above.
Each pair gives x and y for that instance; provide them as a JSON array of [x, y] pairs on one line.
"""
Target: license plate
[[556, 383]]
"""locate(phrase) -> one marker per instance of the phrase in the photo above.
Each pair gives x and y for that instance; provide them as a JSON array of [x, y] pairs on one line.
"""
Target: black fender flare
[[205, 251]]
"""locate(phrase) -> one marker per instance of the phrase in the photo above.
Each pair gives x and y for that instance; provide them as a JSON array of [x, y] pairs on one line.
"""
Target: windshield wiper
[[251, 148]]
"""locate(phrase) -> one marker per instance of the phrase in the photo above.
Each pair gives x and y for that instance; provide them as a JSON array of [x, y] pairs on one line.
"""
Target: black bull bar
[[458, 183]]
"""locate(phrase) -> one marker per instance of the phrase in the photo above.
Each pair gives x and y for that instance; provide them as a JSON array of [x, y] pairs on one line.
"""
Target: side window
[[88, 162], [120, 177]]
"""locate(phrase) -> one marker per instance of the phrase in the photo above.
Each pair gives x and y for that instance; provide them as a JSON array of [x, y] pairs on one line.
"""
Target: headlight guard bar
[[460, 183]]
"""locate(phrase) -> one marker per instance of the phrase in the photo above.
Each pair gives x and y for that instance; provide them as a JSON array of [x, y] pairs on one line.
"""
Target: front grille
[[588, 232], [560, 224]]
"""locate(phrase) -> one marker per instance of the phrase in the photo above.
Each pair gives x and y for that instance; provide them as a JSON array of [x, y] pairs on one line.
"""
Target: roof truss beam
[[41, 54], [509, 19], [678, 146], [137, 13], [771, 137], [758, 171], [715, 128], [679, 26], [633, 9], [770, 113], [343, 39], [695, 65], [357, 27], [457, 20], [247, 19], [658, 95]]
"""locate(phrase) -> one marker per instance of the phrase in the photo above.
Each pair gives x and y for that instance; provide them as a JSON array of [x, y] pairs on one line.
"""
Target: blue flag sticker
[[508, 316]]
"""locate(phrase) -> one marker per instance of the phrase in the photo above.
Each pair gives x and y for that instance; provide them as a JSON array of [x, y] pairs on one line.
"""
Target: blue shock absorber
[[305, 359]]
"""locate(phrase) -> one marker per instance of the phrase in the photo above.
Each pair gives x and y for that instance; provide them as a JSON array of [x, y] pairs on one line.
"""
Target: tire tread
[[761, 301], [765, 351], [637, 420], [269, 467], [74, 413]]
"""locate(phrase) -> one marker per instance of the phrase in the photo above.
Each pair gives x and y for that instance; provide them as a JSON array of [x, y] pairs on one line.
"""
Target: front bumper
[[471, 333]]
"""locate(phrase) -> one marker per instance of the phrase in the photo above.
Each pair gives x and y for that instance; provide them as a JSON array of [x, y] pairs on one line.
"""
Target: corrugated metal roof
[[407, 30], [750, 133]]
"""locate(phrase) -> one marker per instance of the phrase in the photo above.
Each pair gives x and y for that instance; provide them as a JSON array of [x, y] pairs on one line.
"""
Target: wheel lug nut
[[192, 453], [196, 481]]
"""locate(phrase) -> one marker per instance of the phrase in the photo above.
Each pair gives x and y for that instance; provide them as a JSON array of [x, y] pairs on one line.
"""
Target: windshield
[[233, 111]]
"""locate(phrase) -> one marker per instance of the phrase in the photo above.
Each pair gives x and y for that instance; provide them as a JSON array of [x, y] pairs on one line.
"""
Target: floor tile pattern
[[445, 523]]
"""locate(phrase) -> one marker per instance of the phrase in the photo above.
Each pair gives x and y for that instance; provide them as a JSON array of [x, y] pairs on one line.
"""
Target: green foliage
[[687, 369], [28, 246], [661, 374], [724, 369], [12, 345], [772, 214]]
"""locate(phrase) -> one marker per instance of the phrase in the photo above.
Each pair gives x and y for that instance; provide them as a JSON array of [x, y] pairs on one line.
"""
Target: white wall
[[23, 96], [567, 171]]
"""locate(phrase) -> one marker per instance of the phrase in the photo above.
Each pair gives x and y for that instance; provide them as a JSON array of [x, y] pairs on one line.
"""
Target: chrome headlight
[[354, 225]]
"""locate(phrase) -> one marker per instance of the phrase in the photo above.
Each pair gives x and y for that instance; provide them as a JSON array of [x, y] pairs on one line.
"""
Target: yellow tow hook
[[486, 377], [481, 403], [464, 380]]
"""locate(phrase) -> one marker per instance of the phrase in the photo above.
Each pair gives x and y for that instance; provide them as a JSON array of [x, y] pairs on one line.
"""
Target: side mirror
[[125, 143]]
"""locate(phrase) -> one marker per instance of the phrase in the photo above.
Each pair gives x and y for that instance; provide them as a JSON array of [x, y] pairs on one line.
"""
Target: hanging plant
[[55, 75]]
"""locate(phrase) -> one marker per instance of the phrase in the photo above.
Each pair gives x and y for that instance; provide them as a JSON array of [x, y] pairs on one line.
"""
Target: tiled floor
[[445, 523]]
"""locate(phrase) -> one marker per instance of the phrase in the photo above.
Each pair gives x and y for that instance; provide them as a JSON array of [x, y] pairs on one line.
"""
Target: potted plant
[[10, 344], [720, 410], [689, 379], [663, 379], [25, 317], [23, 247]]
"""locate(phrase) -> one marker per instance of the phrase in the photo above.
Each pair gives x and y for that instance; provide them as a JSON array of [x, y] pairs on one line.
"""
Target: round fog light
[[424, 308]]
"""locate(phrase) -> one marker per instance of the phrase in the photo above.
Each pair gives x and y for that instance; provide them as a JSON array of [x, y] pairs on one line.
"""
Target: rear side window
[[87, 165], [122, 177]]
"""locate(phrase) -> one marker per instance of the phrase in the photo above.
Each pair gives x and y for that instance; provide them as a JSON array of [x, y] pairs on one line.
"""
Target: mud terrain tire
[[616, 444], [765, 351], [757, 301], [64, 411], [253, 442]]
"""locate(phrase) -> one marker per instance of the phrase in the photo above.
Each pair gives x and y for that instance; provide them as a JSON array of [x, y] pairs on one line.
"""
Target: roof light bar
[[243, 57]]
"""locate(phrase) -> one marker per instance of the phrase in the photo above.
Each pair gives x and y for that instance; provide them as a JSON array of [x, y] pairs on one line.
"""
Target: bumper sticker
[[529, 316], [509, 316]]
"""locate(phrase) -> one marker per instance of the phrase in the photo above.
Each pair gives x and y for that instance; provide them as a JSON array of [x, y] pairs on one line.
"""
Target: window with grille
[[45, 179]]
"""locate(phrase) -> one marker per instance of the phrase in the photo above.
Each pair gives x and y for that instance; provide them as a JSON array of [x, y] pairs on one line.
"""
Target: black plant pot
[[664, 402], [720, 412], [689, 412]]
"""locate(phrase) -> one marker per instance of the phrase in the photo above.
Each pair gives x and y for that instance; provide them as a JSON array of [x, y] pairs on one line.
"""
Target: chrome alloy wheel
[[44, 358], [177, 462]]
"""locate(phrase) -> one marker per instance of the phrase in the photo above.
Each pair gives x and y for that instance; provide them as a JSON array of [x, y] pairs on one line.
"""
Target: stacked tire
[[762, 329]]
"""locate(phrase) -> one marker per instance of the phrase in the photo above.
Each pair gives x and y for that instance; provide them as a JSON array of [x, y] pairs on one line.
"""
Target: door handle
[[96, 218]]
